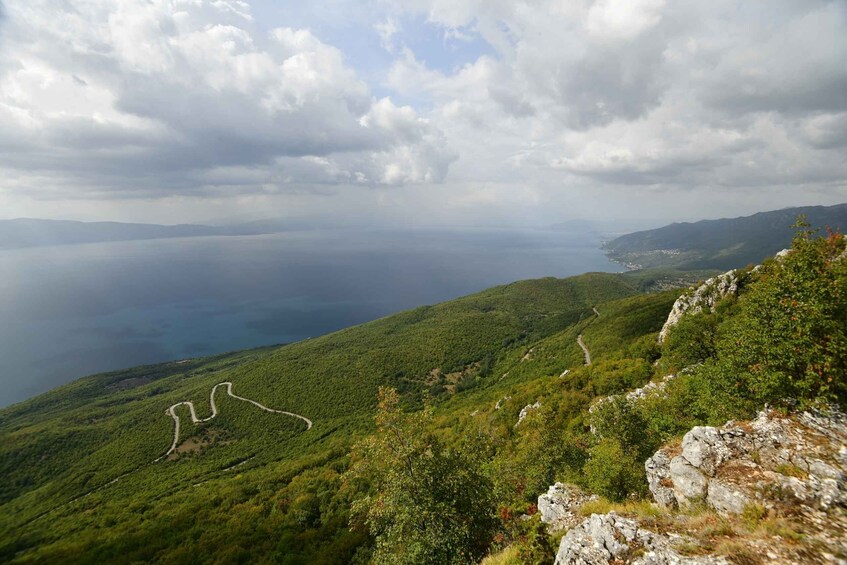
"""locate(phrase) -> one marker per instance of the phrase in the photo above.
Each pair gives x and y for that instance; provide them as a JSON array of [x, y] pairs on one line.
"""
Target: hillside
[[31, 232], [79, 438], [434, 435], [720, 244], [25, 232]]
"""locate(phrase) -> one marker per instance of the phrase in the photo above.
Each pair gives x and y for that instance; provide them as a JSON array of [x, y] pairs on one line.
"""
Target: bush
[[692, 340], [618, 419], [790, 339], [613, 472], [430, 504]]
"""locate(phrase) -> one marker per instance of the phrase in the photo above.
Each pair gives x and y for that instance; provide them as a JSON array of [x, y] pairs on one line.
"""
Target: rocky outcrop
[[638, 394], [609, 538], [500, 402], [704, 297], [633, 396], [559, 505], [802, 458], [525, 412]]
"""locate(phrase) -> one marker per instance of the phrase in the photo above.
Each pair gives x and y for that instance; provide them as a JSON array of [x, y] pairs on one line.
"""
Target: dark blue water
[[69, 311]]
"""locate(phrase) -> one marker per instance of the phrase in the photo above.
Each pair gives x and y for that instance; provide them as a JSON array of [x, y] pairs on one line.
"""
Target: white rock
[[558, 506], [606, 538], [526, 410]]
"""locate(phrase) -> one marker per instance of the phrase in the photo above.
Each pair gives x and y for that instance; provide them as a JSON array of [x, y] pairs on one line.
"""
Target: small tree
[[790, 339], [613, 472], [428, 503]]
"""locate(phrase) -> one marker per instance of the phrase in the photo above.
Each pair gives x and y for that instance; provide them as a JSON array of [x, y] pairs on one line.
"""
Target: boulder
[[609, 538], [689, 484], [706, 448], [659, 479], [802, 456], [558, 506]]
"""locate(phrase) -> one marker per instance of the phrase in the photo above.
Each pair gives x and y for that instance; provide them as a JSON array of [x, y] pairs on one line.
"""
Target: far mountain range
[[720, 244], [28, 232]]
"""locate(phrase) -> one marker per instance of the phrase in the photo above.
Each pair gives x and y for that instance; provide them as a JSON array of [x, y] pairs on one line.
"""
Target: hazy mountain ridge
[[30, 232], [720, 244]]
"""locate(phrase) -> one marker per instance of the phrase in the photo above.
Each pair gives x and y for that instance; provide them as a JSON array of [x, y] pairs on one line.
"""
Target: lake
[[74, 310]]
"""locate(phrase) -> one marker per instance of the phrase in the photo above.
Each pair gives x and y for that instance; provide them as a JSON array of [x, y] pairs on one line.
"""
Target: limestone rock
[[803, 457], [559, 504], [689, 484], [500, 402], [706, 448], [609, 538], [705, 297], [659, 479], [526, 410], [725, 498]]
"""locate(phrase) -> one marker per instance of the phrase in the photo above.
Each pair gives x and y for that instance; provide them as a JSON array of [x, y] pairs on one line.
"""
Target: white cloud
[[144, 97], [622, 19], [576, 106], [680, 95]]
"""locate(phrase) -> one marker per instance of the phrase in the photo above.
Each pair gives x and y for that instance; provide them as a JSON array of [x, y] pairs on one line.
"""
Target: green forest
[[417, 454]]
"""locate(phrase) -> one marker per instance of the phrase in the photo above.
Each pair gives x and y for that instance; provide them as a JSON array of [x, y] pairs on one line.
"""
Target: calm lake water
[[69, 311]]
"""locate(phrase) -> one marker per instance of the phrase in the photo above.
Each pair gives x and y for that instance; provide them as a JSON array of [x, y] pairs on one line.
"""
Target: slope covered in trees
[[720, 244], [435, 430]]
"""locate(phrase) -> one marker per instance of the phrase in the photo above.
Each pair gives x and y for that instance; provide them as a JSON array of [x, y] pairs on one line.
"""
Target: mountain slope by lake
[[97, 438], [720, 244], [493, 402]]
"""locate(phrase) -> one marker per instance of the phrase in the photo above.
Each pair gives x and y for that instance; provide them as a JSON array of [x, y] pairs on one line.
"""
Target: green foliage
[[619, 375], [785, 340], [446, 476], [429, 504], [692, 340], [621, 420], [534, 545], [613, 472], [790, 338]]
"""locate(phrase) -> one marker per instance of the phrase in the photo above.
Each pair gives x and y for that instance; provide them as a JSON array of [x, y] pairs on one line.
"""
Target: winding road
[[172, 413], [582, 343], [584, 349]]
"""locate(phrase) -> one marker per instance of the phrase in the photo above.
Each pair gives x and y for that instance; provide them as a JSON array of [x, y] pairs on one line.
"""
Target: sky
[[420, 113]]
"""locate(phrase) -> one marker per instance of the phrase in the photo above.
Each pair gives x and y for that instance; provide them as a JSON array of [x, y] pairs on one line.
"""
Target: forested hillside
[[76, 440], [720, 244], [434, 430]]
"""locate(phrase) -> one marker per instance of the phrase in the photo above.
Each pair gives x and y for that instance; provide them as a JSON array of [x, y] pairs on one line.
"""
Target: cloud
[[387, 30], [583, 105], [680, 95], [137, 98]]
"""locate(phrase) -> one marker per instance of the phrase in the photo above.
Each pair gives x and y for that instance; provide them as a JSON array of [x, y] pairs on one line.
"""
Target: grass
[[508, 556], [790, 470]]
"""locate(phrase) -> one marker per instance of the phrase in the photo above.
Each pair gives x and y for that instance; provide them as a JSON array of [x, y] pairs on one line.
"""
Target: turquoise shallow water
[[69, 311]]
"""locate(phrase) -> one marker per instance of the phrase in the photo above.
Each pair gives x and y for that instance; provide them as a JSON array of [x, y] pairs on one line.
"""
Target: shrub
[[613, 472], [790, 338], [430, 504]]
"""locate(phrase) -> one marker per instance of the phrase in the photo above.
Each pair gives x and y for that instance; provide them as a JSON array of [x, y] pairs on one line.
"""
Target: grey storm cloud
[[186, 97]]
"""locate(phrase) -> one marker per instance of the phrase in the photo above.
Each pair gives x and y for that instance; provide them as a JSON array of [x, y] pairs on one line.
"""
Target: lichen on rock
[[802, 457], [559, 505]]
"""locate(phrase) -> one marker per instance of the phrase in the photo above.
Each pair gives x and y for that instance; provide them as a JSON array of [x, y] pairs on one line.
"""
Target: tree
[[428, 503], [612, 471], [790, 339]]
